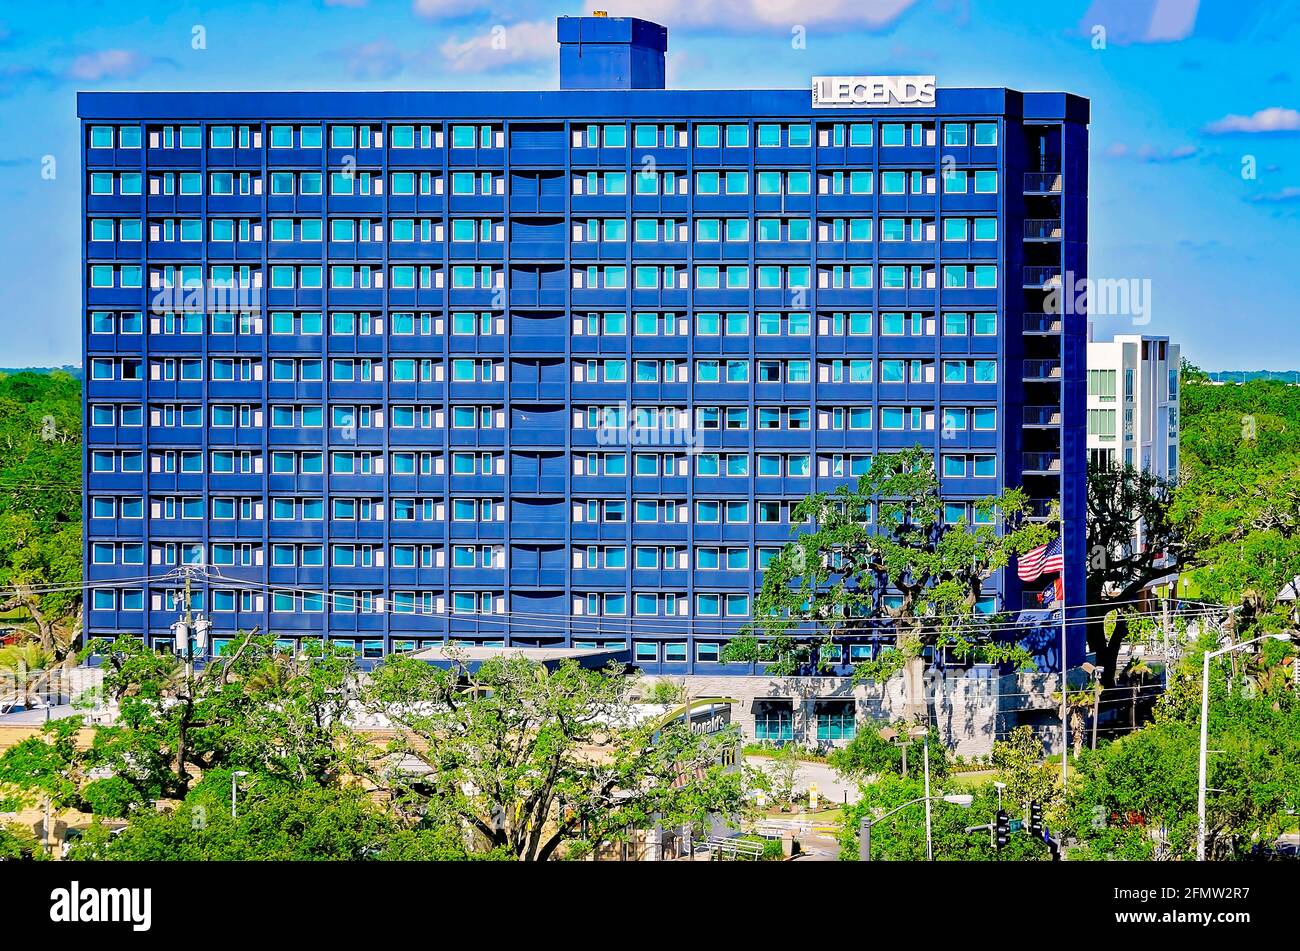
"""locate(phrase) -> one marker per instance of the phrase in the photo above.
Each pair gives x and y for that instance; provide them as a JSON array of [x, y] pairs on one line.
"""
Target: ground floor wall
[[962, 705]]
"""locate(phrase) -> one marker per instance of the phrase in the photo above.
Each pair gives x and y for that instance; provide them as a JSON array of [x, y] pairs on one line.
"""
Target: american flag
[[1041, 560]]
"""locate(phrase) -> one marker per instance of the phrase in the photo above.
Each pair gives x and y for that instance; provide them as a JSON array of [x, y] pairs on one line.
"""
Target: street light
[[919, 732], [235, 777], [1205, 723], [864, 845]]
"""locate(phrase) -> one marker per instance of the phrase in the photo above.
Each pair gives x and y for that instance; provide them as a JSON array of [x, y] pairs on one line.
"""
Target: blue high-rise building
[[551, 368]]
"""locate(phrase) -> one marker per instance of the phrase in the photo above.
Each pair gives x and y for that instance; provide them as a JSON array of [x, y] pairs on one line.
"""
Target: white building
[[1133, 402]]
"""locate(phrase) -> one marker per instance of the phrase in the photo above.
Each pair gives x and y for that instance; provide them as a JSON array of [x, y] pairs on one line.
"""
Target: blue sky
[[1187, 98]]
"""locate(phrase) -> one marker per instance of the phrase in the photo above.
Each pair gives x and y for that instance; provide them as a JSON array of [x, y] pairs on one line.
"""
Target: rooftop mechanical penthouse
[[551, 368]]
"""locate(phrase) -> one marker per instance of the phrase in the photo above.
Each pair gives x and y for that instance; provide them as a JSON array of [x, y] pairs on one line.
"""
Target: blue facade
[[552, 367]]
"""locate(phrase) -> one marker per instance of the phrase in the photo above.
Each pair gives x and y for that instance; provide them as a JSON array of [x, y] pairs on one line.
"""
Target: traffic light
[[1002, 830], [1035, 820]]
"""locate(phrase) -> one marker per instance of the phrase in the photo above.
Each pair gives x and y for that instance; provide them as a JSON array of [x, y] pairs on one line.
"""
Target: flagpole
[[1065, 740]]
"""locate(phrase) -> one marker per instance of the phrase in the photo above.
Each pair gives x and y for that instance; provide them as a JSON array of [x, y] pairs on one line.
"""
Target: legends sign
[[872, 92]]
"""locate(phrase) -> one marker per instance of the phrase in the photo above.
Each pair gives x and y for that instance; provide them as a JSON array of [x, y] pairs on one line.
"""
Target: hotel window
[[955, 229], [1101, 384]]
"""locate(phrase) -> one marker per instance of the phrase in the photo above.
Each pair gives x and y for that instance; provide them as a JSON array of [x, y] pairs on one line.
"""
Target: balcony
[[1043, 324], [1043, 276], [1043, 183], [1043, 229], [1042, 370], [1042, 463], [1040, 510], [1042, 415]]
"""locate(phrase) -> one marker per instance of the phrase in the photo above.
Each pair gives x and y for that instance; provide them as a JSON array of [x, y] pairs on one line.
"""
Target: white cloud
[[1289, 194], [1141, 21], [1152, 154], [1172, 20], [1274, 119], [742, 16], [501, 45], [434, 9], [107, 64], [378, 59]]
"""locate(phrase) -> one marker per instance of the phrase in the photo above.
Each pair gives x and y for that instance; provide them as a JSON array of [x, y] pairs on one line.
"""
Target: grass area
[[1187, 588], [771, 752], [970, 780]]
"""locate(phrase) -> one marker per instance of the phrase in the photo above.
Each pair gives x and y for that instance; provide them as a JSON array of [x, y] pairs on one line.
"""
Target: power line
[[543, 623]]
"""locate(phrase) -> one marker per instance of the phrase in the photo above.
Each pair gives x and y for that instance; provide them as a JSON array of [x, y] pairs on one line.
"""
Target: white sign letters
[[872, 92]]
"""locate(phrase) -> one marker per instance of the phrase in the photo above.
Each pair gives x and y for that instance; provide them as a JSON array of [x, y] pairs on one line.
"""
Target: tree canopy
[[40, 505], [506, 760], [883, 557], [535, 760]]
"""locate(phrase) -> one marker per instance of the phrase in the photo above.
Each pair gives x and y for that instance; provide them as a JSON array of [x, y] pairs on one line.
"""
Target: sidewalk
[[830, 787]]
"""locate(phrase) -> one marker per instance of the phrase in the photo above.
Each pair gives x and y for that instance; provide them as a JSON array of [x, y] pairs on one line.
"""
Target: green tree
[[45, 766], [19, 844], [1135, 798], [833, 578], [1019, 763], [871, 754], [901, 837], [277, 821], [1238, 499], [1119, 500], [40, 506], [539, 762], [253, 707]]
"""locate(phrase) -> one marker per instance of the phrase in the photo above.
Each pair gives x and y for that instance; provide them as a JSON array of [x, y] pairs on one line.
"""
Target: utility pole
[[1164, 626], [929, 841], [184, 629], [189, 629], [1065, 687]]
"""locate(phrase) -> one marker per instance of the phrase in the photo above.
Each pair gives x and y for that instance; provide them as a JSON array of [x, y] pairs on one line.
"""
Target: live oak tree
[[837, 575], [1238, 498], [40, 507], [277, 821], [1119, 567], [543, 763], [254, 707]]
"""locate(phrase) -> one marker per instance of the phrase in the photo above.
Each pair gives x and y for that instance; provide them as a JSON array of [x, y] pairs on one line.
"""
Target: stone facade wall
[[963, 707], [1027, 700]]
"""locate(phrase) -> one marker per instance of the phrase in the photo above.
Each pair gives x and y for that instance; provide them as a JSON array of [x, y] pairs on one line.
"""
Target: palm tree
[[1136, 673], [1077, 703], [22, 668]]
